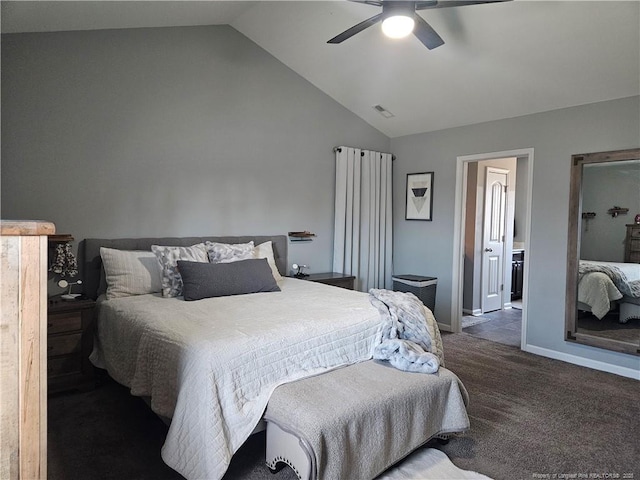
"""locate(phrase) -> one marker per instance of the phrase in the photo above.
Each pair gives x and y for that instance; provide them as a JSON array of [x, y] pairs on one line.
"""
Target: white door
[[495, 205]]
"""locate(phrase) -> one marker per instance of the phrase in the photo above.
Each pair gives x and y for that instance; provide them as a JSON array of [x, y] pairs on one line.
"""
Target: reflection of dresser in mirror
[[632, 244]]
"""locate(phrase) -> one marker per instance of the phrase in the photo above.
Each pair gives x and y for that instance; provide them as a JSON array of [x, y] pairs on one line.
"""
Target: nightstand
[[69, 344], [341, 280]]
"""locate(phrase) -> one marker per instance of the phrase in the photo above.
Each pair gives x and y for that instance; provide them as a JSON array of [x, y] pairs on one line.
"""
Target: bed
[[210, 365], [603, 285]]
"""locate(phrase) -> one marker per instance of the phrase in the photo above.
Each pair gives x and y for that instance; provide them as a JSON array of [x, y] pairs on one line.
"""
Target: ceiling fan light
[[398, 26]]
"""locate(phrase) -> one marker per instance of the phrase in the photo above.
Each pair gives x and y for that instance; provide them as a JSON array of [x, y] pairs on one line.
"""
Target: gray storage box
[[422, 287]]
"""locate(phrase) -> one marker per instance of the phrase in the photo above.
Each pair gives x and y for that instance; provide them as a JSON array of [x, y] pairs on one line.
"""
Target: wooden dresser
[[23, 349], [632, 244]]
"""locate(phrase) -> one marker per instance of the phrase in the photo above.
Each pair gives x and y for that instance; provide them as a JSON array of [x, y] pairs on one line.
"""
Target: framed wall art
[[419, 204]]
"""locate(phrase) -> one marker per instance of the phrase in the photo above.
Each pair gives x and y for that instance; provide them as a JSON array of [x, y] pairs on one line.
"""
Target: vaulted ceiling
[[499, 60]]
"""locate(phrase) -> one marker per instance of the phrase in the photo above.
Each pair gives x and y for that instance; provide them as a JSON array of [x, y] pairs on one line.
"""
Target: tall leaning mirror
[[603, 260]]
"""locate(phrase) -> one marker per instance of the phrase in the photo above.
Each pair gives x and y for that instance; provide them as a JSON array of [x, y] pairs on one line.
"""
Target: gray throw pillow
[[206, 280]]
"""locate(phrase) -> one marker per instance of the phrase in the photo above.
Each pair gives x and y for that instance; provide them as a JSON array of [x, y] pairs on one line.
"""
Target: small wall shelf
[[615, 211], [301, 236]]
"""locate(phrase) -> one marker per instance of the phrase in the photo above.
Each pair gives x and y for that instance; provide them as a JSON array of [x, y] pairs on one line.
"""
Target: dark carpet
[[530, 416], [610, 327]]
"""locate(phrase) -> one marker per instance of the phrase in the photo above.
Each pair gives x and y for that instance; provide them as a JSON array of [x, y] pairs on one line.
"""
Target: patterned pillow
[[130, 272], [168, 258], [229, 252], [265, 250]]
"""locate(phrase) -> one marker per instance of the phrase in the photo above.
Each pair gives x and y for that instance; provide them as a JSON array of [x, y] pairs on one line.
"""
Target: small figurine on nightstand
[[299, 273]]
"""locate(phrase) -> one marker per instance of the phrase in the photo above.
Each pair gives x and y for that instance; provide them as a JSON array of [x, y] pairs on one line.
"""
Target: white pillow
[[265, 250], [229, 252], [130, 272], [168, 258]]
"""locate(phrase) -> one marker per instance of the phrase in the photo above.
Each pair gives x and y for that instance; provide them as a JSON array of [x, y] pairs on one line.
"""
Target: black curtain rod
[[338, 149]]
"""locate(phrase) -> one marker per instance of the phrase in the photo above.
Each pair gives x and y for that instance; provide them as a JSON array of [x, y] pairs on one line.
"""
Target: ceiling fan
[[399, 19]]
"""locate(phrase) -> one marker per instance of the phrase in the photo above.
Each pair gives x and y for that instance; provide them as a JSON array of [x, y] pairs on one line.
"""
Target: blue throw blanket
[[406, 342]]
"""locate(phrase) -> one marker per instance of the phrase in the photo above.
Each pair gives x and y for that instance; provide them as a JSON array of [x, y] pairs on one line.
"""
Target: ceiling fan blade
[[453, 3], [355, 29], [375, 3], [423, 5], [426, 34]]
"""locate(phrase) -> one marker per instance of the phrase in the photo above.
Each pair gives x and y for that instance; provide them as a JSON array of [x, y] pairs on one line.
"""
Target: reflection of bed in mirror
[[603, 285], [609, 298]]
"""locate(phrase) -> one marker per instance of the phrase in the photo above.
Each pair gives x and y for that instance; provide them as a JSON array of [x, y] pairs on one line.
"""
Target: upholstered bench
[[356, 421]]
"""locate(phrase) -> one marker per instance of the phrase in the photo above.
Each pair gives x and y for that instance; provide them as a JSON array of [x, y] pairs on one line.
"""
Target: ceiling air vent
[[383, 111]]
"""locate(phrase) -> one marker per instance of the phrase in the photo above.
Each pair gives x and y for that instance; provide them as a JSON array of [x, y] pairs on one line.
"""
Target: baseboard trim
[[444, 327], [583, 362], [477, 312]]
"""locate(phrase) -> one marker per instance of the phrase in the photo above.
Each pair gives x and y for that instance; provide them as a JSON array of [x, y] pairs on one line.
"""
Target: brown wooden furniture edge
[[26, 227]]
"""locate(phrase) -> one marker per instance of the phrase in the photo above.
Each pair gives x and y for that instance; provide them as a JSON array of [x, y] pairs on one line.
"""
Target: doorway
[[511, 231], [488, 235]]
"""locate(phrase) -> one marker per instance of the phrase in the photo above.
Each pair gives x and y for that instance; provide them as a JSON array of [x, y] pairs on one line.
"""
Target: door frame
[[458, 234]]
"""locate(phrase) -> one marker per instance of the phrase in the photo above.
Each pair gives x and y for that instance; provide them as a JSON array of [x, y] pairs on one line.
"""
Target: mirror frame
[[573, 247]]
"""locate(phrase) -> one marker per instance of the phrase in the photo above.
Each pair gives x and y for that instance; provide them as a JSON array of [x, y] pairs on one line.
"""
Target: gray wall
[[169, 131], [196, 131], [603, 186], [522, 178], [426, 247], [469, 304]]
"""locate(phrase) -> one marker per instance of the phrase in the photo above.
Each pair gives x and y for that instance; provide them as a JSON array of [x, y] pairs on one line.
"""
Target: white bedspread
[[212, 364], [630, 270], [598, 291]]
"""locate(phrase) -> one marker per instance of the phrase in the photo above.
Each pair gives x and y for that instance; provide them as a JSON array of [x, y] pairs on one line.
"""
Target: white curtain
[[363, 219]]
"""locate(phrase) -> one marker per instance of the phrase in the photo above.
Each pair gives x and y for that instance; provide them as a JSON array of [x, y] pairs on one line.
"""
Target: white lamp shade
[[398, 26]]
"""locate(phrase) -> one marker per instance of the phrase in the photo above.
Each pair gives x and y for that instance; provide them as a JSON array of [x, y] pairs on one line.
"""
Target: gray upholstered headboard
[[93, 273]]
